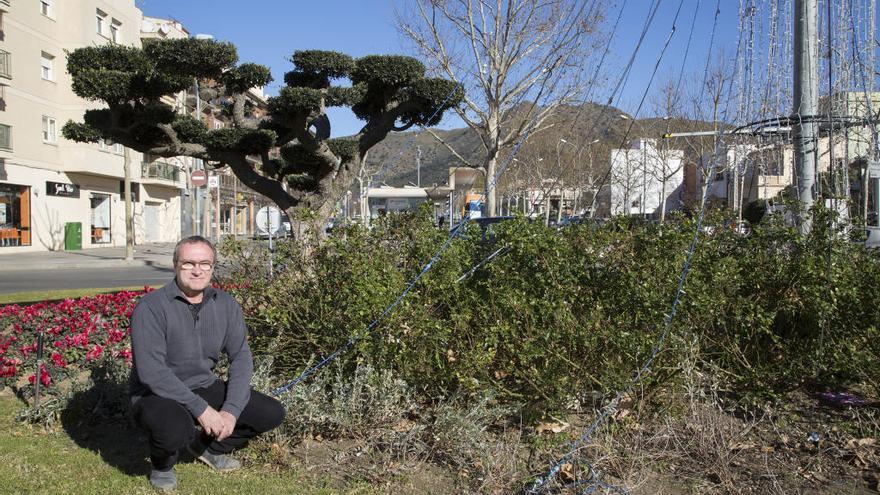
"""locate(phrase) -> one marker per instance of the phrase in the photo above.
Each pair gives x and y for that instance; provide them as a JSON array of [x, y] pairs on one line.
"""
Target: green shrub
[[565, 316]]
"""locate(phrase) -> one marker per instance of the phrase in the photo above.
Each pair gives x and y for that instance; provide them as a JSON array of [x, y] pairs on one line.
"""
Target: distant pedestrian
[[440, 221], [177, 335]]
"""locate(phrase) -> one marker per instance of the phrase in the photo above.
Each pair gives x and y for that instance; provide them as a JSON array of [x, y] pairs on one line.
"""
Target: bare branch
[[450, 148]]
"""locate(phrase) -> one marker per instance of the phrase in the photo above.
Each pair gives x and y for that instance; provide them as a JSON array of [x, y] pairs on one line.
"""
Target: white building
[[54, 191], [385, 199], [645, 180]]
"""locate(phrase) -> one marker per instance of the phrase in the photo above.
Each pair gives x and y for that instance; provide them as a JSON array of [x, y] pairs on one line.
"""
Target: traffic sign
[[199, 178], [268, 220], [213, 181]]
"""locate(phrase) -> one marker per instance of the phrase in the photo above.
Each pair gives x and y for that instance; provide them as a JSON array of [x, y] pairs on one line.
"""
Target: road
[[83, 278]]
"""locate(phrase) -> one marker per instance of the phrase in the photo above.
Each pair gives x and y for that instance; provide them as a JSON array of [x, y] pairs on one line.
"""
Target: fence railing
[[160, 170]]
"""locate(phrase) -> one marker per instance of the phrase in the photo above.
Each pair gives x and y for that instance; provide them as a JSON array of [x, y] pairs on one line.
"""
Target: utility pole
[[418, 166], [806, 104]]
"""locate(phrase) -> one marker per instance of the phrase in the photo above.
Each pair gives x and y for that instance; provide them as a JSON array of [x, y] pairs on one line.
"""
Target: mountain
[[396, 155]]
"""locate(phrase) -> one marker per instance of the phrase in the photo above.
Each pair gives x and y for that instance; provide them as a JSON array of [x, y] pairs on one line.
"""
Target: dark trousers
[[171, 427]]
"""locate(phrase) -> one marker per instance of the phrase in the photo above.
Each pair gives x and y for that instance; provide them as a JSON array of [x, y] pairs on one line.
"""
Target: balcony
[[160, 173], [5, 63]]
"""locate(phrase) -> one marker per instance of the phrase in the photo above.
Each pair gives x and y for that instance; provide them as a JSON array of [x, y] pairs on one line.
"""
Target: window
[[100, 214], [5, 137], [5, 64], [108, 145], [47, 9], [49, 130], [100, 22], [115, 26], [15, 215], [47, 66]]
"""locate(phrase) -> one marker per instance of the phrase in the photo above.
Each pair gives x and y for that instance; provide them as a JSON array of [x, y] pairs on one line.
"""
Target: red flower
[[95, 353], [58, 360], [125, 354], [45, 378]]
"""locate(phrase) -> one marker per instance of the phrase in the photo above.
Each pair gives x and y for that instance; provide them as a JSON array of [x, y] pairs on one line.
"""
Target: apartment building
[[751, 172], [644, 180], [55, 192]]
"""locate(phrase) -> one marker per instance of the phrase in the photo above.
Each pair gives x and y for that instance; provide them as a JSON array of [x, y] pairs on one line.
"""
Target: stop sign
[[199, 178]]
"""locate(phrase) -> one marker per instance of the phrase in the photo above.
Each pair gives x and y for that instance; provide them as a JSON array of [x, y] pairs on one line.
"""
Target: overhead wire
[[453, 234], [574, 447]]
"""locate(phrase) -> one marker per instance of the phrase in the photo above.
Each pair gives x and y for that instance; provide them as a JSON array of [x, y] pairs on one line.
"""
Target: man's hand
[[228, 425], [213, 422]]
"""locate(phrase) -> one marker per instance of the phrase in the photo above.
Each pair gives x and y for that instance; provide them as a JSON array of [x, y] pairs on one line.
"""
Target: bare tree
[[517, 59], [666, 163], [705, 93]]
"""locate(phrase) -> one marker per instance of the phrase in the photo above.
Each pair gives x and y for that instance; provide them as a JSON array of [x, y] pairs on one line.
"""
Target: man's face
[[195, 264]]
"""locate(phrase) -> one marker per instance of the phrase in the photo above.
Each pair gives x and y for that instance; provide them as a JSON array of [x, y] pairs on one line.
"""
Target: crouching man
[[177, 335]]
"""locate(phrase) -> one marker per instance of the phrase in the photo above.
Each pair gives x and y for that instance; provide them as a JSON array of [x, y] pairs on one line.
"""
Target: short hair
[[193, 239]]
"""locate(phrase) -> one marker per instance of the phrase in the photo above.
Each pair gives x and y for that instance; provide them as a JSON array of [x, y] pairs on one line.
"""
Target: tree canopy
[[388, 92]]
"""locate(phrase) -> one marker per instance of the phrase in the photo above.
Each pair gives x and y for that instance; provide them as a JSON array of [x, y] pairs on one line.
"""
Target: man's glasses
[[204, 265]]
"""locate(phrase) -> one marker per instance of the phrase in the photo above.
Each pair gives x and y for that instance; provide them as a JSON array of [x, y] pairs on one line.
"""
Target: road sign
[[268, 220], [199, 178], [874, 168], [213, 181]]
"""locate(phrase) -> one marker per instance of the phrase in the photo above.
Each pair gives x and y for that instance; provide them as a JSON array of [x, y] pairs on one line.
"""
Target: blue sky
[[269, 31]]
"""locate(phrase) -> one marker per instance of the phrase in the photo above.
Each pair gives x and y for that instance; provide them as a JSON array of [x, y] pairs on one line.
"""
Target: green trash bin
[[73, 236]]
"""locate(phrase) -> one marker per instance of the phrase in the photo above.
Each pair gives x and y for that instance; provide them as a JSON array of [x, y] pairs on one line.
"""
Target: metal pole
[[39, 370], [271, 246], [806, 104], [451, 207], [217, 209], [206, 212], [200, 229], [419, 166]]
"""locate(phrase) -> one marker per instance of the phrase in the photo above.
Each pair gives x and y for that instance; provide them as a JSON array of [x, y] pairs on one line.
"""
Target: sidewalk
[[158, 255]]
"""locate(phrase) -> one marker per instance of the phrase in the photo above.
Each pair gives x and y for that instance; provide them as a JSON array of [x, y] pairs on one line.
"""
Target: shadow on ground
[[98, 418]]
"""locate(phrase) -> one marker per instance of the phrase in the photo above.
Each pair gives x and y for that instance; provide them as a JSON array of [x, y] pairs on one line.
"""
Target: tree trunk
[[663, 199], [491, 163], [546, 208], [129, 218]]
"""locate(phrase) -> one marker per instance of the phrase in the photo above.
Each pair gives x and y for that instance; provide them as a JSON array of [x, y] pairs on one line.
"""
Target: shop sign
[[62, 189]]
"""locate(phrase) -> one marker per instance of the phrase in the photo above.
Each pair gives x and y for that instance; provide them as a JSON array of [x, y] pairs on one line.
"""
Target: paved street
[[82, 278], [85, 269]]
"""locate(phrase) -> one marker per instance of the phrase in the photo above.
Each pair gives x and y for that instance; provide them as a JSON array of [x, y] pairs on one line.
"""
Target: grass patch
[[113, 458], [55, 295]]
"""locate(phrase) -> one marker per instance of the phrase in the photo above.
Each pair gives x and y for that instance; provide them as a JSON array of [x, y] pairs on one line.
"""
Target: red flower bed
[[76, 334]]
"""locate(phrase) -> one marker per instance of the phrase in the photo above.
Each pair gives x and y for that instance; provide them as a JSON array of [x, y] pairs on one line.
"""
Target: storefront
[[100, 215], [15, 215]]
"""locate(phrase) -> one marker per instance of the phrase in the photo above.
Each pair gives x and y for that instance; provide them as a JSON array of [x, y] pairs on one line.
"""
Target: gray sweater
[[175, 353]]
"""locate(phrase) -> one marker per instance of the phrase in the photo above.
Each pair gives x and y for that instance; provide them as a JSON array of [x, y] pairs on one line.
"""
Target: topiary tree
[[390, 93]]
